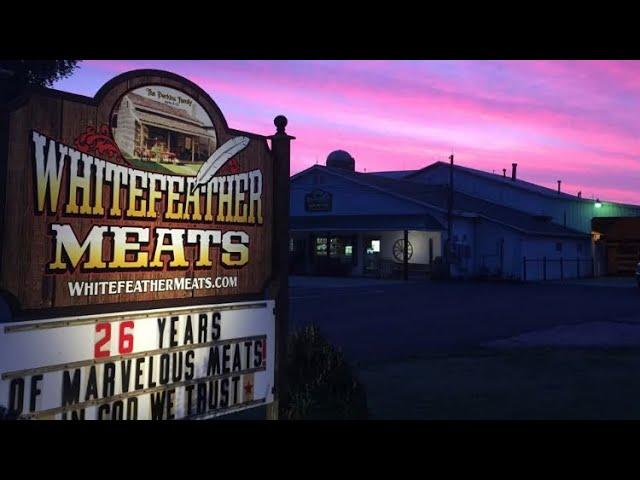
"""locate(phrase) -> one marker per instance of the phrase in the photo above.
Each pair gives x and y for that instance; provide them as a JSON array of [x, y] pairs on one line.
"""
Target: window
[[340, 248], [374, 247], [558, 246], [579, 248], [321, 245], [291, 245]]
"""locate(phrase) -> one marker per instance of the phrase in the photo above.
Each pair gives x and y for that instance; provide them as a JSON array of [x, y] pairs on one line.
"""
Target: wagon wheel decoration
[[398, 250]]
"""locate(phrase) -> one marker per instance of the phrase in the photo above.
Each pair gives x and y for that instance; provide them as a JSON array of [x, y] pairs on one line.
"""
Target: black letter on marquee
[[150, 376], [237, 364], [132, 408], [109, 380], [139, 362], [176, 366], [125, 370], [225, 358], [170, 394], [35, 391], [116, 412], [164, 369], [216, 325], [188, 332], [213, 395], [247, 349], [157, 405], [16, 389], [70, 389], [75, 414], [224, 392], [189, 390], [92, 384], [235, 381], [173, 332], [161, 324], [202, 397], [213, 367], [188, 364], [202, 327], [103, 410], [257, 353]]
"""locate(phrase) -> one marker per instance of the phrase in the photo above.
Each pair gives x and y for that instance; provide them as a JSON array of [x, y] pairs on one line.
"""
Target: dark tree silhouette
[[17, 74]]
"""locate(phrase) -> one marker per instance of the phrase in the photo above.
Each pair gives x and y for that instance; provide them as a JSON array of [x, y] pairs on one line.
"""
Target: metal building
[[412, 223]]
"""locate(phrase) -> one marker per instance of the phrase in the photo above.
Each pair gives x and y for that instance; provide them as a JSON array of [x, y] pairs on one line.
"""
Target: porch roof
[[359, 223]]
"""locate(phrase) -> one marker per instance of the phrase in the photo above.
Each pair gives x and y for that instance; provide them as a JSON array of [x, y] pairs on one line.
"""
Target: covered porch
[[364, 245]]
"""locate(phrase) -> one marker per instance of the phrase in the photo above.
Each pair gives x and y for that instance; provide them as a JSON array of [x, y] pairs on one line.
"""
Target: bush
[[320, 382]]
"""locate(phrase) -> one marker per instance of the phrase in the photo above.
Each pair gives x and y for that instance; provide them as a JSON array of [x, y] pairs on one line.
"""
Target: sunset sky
[[574, 121]]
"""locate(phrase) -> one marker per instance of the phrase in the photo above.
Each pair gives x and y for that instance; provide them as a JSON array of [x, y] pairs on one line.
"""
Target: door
[[371, 255]]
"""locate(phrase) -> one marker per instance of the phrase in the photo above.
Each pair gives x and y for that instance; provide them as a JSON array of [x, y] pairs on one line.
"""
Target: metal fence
[[557, 268]]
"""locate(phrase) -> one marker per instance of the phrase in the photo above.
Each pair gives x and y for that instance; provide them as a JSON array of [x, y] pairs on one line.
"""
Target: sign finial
[[280, 122]]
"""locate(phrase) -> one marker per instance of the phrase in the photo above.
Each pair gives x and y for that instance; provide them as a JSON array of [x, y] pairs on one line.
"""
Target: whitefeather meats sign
[[137, 241], [139, 195], [154, 365]]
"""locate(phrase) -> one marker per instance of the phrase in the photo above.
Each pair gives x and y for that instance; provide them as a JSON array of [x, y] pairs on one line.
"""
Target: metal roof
[[176, 125], [436, 196], [354, 223]]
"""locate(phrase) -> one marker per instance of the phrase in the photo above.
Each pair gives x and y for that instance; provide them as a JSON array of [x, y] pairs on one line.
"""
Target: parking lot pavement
[[396, 320], [590, 334], [611, 282], [429, 349], [312, 282]]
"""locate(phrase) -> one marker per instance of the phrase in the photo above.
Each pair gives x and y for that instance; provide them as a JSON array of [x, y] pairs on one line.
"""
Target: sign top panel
[[139, 197]]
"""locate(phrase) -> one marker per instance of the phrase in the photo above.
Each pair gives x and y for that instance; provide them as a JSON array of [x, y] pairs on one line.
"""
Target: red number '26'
[[125, 343]]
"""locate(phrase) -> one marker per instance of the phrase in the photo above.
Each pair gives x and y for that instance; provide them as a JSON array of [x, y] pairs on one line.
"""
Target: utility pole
[[448, 243]]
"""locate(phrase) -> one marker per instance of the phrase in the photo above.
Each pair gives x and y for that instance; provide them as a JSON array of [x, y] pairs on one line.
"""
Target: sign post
[[143, 253], [281, 148]]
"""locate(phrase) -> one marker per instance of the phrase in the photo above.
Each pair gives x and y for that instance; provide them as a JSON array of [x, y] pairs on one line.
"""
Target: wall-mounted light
[[598, 204]]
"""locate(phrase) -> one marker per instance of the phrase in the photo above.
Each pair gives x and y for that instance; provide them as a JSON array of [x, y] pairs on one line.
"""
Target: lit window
[[375, 246], [321, 246], [348, 250]]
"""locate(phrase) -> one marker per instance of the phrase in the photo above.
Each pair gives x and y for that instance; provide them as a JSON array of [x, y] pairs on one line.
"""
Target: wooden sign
[[141, 197], [318, 201]]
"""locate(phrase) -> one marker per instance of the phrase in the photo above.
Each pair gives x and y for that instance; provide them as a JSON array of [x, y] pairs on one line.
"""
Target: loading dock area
[[617, 244]]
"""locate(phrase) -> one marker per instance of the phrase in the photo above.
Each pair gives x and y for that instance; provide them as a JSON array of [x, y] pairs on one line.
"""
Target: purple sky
[[575, 121]]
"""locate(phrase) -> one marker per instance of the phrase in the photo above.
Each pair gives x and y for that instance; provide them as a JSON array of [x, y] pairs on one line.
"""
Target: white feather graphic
[[216, 161]]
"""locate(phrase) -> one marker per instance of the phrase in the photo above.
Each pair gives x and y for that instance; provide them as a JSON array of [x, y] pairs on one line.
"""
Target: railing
[[557, 268]]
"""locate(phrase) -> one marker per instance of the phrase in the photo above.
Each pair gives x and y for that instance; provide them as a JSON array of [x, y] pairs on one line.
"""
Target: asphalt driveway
[[384, 321]]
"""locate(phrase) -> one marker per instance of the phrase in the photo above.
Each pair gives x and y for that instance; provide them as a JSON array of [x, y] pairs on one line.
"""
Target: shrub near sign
[[140, 258]]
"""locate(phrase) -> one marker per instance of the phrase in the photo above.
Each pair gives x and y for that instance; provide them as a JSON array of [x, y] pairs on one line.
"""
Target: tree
[[15, 75]]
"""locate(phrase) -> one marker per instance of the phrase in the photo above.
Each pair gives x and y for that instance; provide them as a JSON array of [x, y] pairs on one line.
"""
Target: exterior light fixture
[[598, 204]]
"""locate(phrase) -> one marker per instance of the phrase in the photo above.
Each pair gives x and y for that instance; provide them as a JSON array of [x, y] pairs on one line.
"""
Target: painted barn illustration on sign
[[162, 125]]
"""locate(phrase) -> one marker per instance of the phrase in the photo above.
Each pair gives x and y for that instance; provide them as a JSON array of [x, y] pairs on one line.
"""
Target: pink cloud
[[570, 120]]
